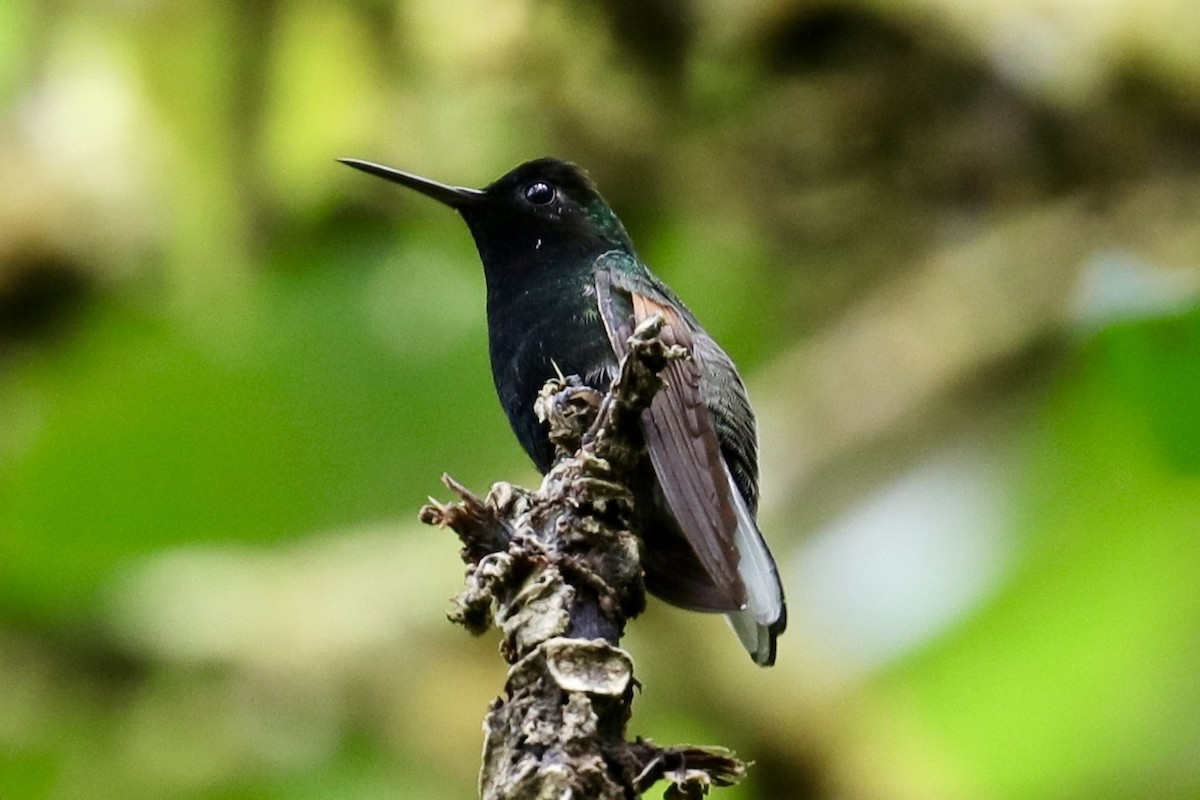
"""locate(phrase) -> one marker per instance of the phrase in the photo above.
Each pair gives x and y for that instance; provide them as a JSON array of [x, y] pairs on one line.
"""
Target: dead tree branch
[[558, 572]]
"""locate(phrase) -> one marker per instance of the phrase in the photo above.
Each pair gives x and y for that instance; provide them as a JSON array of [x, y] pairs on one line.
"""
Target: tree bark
[[558, 572]]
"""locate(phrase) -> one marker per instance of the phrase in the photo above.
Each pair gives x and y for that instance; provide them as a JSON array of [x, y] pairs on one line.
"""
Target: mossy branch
[[558, 572]]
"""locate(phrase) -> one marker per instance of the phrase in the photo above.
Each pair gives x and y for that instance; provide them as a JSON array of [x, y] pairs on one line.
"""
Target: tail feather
[[764, 616]]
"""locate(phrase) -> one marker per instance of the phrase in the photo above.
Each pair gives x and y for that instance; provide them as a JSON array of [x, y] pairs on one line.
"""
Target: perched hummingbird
[[565, 289]]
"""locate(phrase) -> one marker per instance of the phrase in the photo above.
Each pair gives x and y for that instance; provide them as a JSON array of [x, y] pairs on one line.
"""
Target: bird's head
[[544, 211]]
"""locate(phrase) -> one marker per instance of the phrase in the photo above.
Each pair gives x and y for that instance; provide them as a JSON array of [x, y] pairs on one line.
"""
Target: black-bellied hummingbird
[[565, 289]]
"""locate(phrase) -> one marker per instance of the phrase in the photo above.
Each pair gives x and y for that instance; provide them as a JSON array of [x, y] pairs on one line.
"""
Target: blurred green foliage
[[231, 370]]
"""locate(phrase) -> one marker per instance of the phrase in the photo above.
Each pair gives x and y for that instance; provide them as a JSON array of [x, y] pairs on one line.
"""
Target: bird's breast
[[536, 333]]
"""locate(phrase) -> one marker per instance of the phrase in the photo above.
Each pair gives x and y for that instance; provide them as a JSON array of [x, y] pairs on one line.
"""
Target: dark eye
[[539, 193]]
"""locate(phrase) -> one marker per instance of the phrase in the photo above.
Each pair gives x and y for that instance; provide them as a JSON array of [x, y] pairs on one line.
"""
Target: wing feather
[[682, 443]]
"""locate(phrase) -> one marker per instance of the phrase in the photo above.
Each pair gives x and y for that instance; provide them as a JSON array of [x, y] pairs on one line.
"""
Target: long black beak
[[453, 196]]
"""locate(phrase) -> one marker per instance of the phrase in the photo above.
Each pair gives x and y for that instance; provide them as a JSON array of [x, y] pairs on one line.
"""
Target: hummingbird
[[565, 289]]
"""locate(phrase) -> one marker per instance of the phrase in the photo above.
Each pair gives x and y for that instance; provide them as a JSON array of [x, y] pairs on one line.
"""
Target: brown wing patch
[[683, 446]]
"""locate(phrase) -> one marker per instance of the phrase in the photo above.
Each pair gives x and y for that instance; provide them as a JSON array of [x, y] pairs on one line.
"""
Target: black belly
[[528, 339]]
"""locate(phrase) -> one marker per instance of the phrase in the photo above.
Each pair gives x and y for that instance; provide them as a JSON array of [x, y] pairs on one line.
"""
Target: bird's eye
[[539, 193]]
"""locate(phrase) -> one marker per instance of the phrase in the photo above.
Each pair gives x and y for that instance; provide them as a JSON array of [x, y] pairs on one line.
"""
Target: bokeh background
[[954, 245]]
